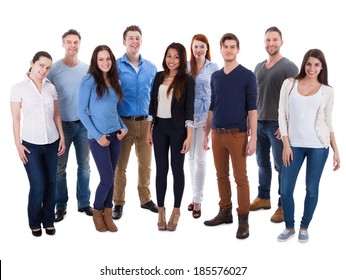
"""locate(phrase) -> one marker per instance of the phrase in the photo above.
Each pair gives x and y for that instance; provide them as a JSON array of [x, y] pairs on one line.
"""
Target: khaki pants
[[231, 145], [136, 135]]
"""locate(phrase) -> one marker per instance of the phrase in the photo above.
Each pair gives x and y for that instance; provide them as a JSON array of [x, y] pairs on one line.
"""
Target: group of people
[[111, 104]]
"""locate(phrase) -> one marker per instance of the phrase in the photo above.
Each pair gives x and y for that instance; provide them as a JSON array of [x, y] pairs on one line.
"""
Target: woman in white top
[[170, 128], [41, 140], [305, 120]]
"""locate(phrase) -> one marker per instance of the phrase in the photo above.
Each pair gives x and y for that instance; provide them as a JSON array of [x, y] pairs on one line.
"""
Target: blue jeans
[[41, 171], [315, 161], [75, 133], [266, 140], [106, 159]]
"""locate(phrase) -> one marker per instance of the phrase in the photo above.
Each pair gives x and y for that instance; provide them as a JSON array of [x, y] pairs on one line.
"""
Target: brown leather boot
[[107, 217], [98, 220], [224, 217], [243, 228], [278, 216]]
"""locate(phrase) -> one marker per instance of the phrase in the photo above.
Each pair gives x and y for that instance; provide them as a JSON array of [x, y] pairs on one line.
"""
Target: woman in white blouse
[[41, 140], [305, 121]]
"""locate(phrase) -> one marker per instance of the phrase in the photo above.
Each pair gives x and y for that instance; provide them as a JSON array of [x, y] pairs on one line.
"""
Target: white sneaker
[[303, 235], [286, 234]]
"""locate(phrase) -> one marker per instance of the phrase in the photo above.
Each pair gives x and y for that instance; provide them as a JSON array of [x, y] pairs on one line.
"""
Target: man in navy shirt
[[232, 118]]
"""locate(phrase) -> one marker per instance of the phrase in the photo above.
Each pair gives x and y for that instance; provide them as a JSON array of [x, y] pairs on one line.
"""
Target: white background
[[78, 251]]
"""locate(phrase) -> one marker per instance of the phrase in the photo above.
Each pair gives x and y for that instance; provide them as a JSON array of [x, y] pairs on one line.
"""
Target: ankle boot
[[224, 217], [107, 217], [243, 228], [98, 220]]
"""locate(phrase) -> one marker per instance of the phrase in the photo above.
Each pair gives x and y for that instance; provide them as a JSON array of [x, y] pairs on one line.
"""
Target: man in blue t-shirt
[[232, 118], [66, 74]]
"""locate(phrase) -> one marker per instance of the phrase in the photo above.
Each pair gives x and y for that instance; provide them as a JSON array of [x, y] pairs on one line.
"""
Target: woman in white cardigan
[[305, 121]]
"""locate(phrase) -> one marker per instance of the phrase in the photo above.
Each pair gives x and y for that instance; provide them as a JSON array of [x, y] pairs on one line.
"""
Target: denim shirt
[[99, 115], [136, 86], [203, 93]]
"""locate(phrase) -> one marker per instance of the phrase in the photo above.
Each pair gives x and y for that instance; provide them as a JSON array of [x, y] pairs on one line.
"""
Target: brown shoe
[[243, 228], [98, 220], [107, 217], [278, 216], [224, 217], [161, 224], [260, 203], [173, 221]]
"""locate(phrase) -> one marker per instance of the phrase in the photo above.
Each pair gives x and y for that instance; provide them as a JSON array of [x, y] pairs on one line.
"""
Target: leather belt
[[77, 121], [227, 130], [135, 118]]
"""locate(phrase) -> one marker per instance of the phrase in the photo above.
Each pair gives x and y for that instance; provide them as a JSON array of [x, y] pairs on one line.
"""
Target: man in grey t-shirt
[[270, 75]]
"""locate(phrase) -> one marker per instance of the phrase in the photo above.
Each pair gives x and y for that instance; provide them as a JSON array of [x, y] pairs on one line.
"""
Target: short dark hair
[[274, 29], [71, 32], [132, 28], [40, 54], [229, 36]]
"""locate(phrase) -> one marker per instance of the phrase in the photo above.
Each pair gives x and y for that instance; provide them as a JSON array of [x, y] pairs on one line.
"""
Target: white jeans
[[197, 161]]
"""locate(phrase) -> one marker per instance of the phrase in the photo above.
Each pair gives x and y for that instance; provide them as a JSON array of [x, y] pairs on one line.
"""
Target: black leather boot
[[243, 228], [224, 217]]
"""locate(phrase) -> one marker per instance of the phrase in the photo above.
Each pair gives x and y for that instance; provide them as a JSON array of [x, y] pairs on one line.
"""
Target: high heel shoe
[[190, 207], [161, 224], [173, 221], [197, 213]]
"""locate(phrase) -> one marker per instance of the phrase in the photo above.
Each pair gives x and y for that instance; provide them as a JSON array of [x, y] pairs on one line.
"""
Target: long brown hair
[[113, 75], [193, 62], [323, 75], [178, 83]]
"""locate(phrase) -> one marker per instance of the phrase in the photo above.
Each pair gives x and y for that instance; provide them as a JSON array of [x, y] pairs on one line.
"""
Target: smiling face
[[133, 42], [40, 68], [71, 44], [313, 67], [172, 59], [272, 42], [104, 61], [199, 49]]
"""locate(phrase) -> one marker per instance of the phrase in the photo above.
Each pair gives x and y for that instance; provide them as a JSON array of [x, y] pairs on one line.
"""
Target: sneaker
[[303, 235], [286, 234], [260, 203], [278, 216]]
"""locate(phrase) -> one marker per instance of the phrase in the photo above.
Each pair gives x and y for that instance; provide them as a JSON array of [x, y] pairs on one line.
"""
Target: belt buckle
[[221, 130]]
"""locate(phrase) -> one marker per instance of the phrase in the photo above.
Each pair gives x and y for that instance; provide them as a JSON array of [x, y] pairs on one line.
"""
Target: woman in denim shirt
[[201, 68], [99, 95]]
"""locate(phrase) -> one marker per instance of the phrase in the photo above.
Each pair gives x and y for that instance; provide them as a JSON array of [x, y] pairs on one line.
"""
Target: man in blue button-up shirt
[[136, 77]]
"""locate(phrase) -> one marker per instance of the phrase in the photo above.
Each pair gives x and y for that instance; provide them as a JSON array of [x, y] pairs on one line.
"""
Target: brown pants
[[231, 145], [137, 131]]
